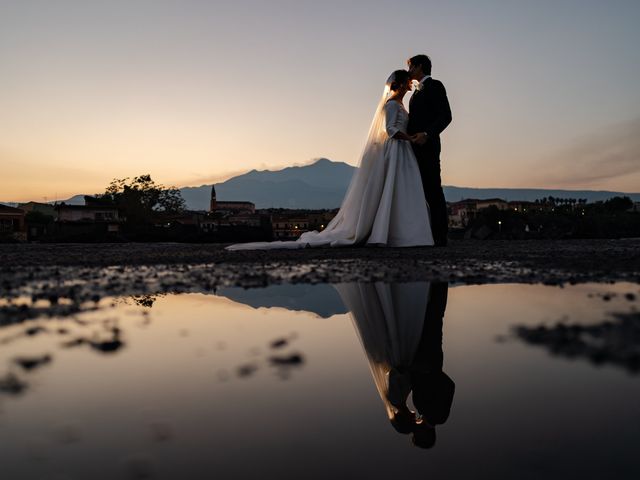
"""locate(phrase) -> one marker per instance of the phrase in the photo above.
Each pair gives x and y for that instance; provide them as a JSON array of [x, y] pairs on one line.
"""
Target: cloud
[[603, 156]]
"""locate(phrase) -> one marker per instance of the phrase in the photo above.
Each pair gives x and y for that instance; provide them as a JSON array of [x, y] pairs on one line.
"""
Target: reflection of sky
[[192, 91], [515, 408]]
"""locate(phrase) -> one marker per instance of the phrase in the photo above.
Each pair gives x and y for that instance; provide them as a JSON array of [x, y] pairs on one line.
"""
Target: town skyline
[[543, 96], [322, 184]]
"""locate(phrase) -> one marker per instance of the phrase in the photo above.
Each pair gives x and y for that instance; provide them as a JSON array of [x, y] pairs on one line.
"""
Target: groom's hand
[[420, 138]]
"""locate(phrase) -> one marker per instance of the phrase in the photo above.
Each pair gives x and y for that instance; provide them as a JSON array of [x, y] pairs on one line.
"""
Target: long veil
[[353, 222], [373, 150]]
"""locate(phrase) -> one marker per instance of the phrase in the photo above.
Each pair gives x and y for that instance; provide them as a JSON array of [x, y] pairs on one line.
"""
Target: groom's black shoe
[[440, 243]]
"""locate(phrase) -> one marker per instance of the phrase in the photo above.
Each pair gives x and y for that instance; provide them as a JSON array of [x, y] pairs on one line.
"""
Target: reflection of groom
[[432, 389], [429, 115]]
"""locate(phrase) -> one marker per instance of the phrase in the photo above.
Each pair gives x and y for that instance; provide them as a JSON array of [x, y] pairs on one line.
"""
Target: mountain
[[454, 194], [323, 185], [75, 200], [319, 185]]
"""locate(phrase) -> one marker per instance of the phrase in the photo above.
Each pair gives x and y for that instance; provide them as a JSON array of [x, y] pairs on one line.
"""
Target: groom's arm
[[442, 118]]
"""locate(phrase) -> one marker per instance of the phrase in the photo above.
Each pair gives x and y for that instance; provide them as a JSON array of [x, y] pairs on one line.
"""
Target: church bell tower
[[213, 205]]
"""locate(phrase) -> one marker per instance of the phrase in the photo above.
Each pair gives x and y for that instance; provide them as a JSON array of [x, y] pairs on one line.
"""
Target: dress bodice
[[396, 118]]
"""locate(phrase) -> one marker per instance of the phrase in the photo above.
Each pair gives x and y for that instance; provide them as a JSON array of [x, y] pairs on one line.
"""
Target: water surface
[[328, 381]]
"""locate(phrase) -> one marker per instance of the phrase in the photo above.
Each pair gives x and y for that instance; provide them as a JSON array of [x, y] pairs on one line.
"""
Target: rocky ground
[[85, 271], [63, 280]]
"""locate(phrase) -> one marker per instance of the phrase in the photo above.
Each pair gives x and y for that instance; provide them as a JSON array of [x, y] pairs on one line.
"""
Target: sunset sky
[[544, 94]]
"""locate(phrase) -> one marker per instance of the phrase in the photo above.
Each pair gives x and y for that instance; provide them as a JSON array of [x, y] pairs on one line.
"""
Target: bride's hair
[[397, 79]]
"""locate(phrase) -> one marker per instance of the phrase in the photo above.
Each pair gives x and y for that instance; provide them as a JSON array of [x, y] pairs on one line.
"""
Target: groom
[[429, 115]]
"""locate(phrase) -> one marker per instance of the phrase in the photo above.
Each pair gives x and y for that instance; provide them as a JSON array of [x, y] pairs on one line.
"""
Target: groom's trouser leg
[[429, 356], [432, 183]]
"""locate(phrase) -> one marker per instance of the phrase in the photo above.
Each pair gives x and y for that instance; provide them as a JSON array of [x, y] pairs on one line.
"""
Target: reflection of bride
[[400, 327], [384, 204]]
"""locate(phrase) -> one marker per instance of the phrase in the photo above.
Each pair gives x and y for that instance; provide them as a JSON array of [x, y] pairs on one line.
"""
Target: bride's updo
[[397, 79]]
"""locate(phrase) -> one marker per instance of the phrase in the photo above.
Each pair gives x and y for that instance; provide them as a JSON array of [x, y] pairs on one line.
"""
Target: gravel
[[59, 277]]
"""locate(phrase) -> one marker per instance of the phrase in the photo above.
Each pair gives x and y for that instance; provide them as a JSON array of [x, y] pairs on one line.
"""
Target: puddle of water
[[301, 381]]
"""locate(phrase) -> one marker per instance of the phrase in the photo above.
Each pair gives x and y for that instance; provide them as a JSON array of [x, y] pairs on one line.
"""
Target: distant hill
[[75, 200], [319, 185], [324, 183], [453, 194]]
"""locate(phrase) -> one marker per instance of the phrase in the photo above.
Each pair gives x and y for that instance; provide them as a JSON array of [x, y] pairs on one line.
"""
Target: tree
[[38, 218], [618, 204], [142, 197]]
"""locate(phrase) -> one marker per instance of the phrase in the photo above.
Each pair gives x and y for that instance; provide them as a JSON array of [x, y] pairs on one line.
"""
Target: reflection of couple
[[395, 197], [400, 327]]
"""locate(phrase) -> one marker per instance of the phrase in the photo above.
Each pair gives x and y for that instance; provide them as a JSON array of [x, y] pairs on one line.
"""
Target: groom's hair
[[423, 61]]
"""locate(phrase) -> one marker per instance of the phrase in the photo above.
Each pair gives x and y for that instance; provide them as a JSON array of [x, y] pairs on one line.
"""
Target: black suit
[[429, 112]]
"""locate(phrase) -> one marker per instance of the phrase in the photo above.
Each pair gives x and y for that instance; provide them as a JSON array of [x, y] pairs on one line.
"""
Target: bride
[[384, 204]]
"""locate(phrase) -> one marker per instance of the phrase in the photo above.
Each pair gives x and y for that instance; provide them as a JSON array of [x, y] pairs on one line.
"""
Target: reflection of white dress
[[384, 204], [389, 319]]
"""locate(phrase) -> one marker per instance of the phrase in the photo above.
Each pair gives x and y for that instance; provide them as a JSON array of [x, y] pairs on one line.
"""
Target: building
[[188, 218], [250, 220], [213, 204], [39, 219], [235, 208], [492, 202], [43, 208], [288, 227], [229, 208], [292, 225], [522, 206], [95, 212], [462, 212], [12, 223]]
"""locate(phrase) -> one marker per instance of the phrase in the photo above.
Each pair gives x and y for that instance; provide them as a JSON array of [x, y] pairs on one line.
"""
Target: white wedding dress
[[389, 319], [384, 204]]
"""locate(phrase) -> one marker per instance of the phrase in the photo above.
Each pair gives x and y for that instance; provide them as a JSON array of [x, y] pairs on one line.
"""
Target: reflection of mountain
[[323, 300]]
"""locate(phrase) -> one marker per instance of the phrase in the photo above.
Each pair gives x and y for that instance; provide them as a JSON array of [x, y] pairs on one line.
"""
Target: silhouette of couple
[[395, 197], [400, 327]]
